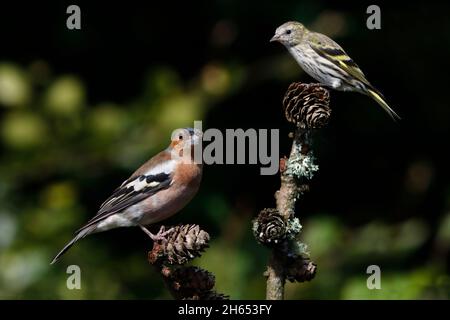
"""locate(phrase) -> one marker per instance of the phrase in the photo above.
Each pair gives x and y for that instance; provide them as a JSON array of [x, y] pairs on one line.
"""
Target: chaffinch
[[157, 190]]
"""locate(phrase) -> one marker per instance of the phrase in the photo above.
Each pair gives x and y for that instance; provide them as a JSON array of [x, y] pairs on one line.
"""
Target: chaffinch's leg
[[160, 235]]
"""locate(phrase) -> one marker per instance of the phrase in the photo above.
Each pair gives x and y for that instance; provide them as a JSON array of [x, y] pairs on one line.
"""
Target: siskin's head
[[290, 33]]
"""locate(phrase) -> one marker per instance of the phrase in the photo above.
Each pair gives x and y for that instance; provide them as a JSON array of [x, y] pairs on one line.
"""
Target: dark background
[[81, 109]]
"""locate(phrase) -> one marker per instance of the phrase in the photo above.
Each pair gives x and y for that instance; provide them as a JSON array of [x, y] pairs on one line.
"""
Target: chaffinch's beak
[[275, 38]]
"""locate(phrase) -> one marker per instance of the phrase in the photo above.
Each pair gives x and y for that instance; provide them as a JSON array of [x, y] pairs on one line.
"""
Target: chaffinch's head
[[185, 141]]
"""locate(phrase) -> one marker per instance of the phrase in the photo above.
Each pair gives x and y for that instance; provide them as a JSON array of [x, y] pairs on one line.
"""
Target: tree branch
[[306, 105]]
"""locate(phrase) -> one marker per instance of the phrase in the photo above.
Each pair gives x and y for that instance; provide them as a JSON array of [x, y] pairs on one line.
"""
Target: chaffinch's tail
[[80, 235]]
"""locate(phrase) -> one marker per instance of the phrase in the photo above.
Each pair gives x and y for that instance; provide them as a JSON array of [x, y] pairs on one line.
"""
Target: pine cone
[[307, 105], [300, 270], [184, 243], [269, 227], [192, 280]]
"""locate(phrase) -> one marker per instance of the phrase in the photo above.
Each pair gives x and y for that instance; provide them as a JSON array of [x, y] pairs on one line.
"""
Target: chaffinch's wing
[[152, 177]]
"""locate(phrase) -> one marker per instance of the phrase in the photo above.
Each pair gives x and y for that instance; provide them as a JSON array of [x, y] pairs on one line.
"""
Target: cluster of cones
[[271, 230], [170, 254]]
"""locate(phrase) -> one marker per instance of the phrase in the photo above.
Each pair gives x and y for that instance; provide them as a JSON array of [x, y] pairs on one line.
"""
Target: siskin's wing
[[333, 52]]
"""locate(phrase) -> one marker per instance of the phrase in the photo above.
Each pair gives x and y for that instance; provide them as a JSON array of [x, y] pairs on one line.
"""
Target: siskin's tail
[[378, 97], [83, 233]]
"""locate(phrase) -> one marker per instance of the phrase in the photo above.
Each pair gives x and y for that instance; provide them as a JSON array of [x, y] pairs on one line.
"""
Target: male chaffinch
[[157, 190]]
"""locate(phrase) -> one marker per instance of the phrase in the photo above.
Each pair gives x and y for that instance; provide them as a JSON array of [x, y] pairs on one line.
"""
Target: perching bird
[[324, 60], [157, 190]]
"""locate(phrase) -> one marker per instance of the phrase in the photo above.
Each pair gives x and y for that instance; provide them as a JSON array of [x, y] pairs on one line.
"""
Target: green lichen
[[302, 166], [293, 228]]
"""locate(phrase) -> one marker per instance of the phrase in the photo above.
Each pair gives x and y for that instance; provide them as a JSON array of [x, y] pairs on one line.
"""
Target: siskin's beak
[[275, 38]]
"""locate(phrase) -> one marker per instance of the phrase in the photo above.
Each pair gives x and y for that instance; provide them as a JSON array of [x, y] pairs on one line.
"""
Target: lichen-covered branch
[[169, 256], [306, 105]]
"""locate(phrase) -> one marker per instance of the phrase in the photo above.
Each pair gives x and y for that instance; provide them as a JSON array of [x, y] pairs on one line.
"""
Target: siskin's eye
[[288, 31]]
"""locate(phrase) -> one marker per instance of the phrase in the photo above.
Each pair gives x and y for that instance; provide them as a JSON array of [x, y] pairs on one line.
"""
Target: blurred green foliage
[[65, 147]]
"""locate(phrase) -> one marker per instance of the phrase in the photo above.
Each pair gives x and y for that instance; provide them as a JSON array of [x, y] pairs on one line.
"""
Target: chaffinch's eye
[[180, 137], [288, 31]]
